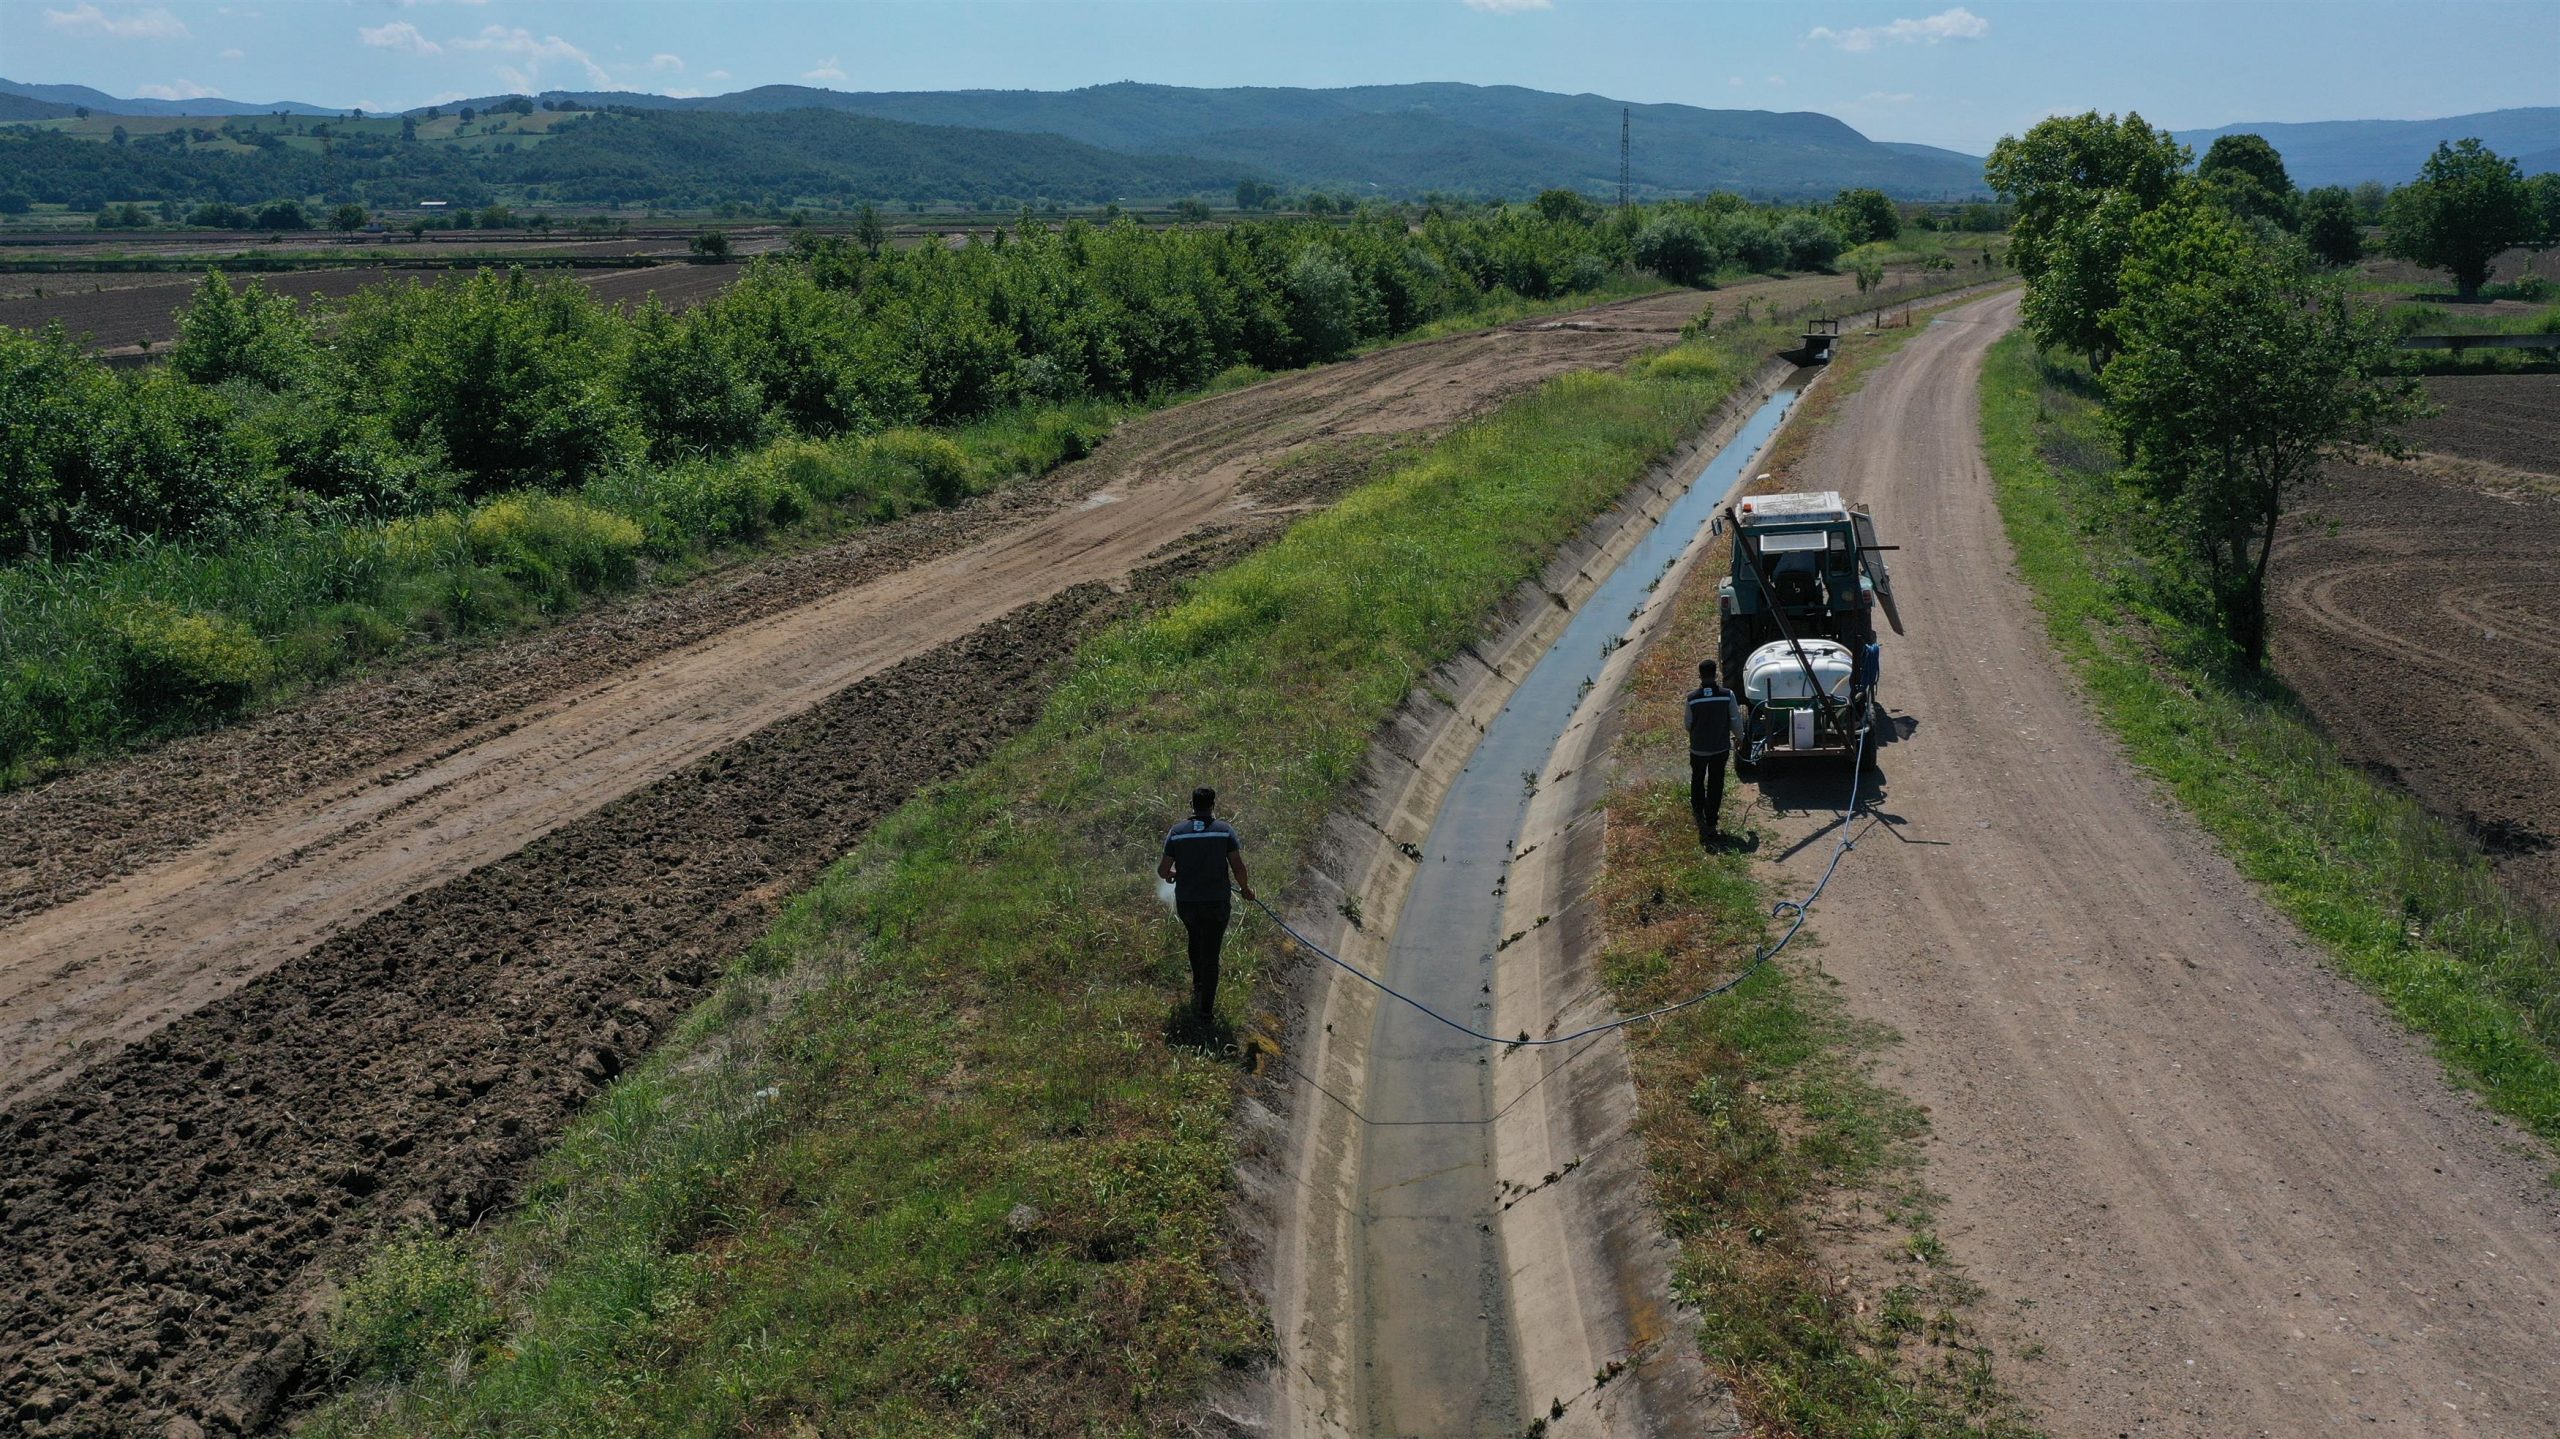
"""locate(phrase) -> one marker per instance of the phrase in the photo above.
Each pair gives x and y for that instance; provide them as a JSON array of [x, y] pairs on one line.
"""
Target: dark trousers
[[1205, 920], [1706, 792]]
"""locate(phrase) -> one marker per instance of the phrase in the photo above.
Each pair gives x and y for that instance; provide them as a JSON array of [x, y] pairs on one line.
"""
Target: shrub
[[555, 543], [939, 467], [416, 1304], [170, 661], [1677, 250]]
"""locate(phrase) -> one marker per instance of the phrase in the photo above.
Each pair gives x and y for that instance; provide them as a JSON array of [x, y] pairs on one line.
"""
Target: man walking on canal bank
[[1710, 709], [1199, 855]]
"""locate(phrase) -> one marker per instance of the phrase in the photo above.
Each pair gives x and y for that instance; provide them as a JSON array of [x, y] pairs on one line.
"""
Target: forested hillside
[[655, 157], [1104, 142]]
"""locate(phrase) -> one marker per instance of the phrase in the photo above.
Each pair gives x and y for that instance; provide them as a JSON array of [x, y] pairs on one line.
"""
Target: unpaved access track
[[269, 990], [2219, 1185]]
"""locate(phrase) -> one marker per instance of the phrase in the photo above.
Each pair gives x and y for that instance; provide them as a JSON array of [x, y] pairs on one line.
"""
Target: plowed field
[[2419, 616]]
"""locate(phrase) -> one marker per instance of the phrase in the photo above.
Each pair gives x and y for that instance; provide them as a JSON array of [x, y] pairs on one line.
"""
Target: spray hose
[[1793, 911]]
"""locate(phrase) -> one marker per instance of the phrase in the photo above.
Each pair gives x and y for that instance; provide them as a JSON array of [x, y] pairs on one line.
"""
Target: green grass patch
[[2399, 901], [928, 1163], [1758, 1111]]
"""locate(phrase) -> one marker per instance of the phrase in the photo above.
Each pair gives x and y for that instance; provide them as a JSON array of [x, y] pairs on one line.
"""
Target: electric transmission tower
[[1623, 113]]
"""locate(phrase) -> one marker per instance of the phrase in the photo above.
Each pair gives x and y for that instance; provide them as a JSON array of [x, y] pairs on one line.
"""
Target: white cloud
[[398, 35], [1956, 24], [178, 90], [1737, 82], [666, 62], [533, 52], [447, 97], [825, 71], [1879, 97], [1509, 7], [234, 53], [1777, 79], [129, 25], [717, 75]]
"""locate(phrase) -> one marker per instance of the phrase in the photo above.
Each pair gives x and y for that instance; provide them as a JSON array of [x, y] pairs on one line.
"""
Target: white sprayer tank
[[1774, 673]]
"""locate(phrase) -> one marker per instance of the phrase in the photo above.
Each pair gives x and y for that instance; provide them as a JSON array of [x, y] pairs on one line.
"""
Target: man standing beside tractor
[[1710, 708]]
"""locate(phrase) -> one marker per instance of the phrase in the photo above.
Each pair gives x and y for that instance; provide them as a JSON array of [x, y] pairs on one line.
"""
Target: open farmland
[[2420, 617], [480, 1009], [127, 314]]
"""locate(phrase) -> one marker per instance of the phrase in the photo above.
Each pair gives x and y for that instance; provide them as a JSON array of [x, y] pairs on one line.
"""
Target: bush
[[556, 544], [936, 465], [703, 504], [416, 1304], [1677, 250], [170, 661]]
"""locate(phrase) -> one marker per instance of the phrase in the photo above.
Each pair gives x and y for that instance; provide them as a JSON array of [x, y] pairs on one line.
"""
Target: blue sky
[[1957, 76]]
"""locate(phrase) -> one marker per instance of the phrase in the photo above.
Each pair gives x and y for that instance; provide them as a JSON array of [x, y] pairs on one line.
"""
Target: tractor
[[1798, 637]]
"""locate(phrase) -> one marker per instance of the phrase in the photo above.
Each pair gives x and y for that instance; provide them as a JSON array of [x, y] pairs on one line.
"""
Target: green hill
[[1104, 142]]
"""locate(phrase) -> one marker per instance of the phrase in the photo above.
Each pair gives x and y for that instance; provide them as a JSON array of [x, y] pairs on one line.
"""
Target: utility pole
[[1623, 113]]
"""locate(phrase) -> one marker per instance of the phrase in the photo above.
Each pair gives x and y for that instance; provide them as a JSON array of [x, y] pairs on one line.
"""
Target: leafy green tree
[[2330, 229], [870, 230], [349, 218], [1329, 308], [1252, 195], [1675, 248], [2241, 374], [507, 374], [1191, 209], [689, 393], [2372, 198], [284, 215], [2247, 176], [2542, 192], [249, 335], [2079, 182], [1811, 244], [1566, 207], [1866, 215], [13, 202], [712, 245], [2467, 204]]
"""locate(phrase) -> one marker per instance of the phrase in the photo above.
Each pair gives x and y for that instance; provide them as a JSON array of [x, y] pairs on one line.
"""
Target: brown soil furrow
[[2220, 1186], [2418, 616], [172, 1211]]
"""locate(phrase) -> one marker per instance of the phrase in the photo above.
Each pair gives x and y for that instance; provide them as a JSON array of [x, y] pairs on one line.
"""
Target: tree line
[[300, 486], [2210, 303]]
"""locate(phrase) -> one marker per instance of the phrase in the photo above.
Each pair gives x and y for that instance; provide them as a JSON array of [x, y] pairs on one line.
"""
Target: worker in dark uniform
[[1200, 854], [1710, 713]]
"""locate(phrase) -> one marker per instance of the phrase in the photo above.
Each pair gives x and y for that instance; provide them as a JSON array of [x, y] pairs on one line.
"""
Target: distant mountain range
[[2346, 152], [54, 101], [1383, 139]]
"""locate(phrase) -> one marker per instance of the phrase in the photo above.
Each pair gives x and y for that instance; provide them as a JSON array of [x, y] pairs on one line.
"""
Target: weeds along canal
[[1440, 1329]]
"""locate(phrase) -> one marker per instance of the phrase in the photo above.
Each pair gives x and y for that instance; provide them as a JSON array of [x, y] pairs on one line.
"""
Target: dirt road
[[270, 990], [2226, 1192]]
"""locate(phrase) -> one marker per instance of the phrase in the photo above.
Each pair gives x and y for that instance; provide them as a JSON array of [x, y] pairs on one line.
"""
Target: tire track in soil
[[2417, 615], [175, 1206]]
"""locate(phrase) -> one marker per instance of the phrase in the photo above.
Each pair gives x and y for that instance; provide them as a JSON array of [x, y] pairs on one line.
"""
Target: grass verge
[[1760, 1121], [2400, 902], [927, 1163]]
